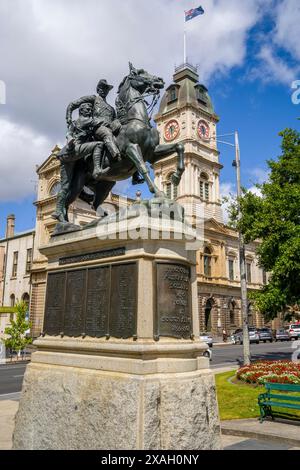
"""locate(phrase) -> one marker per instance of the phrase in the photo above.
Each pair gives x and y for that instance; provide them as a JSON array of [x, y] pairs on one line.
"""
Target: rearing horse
[[138, 142]]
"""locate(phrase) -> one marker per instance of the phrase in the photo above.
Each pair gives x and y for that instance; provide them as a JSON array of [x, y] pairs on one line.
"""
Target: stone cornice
[[158, 118]]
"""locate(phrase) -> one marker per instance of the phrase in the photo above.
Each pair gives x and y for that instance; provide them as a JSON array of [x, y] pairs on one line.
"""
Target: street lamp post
[[242, 258], [244, 299]]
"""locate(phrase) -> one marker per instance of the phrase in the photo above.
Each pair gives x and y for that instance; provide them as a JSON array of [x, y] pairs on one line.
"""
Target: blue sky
[[247, 52]]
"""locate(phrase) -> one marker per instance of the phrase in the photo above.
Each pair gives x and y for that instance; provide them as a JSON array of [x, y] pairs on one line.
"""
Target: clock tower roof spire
[[186, 90]]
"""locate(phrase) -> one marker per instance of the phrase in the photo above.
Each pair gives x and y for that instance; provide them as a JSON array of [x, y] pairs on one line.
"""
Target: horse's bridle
[[150, 91]]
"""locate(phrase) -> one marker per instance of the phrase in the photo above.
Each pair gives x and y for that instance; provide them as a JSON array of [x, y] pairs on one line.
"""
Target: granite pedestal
[[120, 364]]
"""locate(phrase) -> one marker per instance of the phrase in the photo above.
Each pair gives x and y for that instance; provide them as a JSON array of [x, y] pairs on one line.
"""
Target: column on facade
[[182, 187], [186, 178], [217, 188], [223, 261], [197, 181], [191, 178], [192, 175]]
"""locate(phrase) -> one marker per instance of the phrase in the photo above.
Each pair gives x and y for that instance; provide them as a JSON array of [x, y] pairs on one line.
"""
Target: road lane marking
[[7, 396], [12, 367]]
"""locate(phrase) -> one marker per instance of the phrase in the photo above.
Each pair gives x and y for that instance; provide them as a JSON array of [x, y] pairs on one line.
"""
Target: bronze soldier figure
[[104, 115], [80, 145], [80, 138], [136, 140]]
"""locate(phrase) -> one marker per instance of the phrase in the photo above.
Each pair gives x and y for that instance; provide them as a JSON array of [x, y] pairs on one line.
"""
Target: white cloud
[[227, 190], [273, 68], [259, 175], [20, 149], [53, 51], [255, 191], [287, 26], [273, 65]]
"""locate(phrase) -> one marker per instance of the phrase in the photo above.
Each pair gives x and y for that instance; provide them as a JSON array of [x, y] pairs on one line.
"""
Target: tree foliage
[[16, 337], [274, 218]]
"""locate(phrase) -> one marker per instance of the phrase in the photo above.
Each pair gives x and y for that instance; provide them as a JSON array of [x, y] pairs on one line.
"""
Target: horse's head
[[144, 81]]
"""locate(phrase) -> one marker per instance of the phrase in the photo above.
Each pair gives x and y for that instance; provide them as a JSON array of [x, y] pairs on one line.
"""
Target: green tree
[[17, 339], [274, 218]]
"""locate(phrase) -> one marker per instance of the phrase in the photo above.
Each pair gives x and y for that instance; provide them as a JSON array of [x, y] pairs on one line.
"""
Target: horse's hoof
[[58, 217], [138, 180]]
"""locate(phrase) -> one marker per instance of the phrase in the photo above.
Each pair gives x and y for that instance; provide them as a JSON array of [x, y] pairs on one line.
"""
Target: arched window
[[208, 311], [232, 313], [12, 300], [26, 299], [55, 188], [207, 262], [171, 189], [172, 94], [204, 187]]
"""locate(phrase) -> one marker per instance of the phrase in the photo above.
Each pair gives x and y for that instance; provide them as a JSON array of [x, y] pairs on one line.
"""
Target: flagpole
[[184, 41]]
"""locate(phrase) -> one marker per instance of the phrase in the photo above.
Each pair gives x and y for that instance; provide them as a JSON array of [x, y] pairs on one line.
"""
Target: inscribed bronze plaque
[[123, 310], [97, 303], [75, 303], [54, 310], [173, 315]]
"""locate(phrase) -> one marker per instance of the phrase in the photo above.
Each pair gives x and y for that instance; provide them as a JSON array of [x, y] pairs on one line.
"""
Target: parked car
[[265, 334], [253, 336], [294, 331], [208, 354], [281, 335], [206, 338], [235, 336]]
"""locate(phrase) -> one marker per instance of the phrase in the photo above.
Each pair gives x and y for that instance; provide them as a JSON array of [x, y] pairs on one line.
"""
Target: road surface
[[11, 375], [233, 354]]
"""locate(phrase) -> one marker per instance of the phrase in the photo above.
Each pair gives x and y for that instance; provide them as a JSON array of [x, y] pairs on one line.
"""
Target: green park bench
[[279, 400]]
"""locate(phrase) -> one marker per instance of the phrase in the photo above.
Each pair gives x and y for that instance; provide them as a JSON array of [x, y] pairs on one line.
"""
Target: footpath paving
[[244, 443], [279, 432], [8, 409]]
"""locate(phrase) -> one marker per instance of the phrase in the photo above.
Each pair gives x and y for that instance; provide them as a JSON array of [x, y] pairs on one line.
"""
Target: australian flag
[[190, 14]]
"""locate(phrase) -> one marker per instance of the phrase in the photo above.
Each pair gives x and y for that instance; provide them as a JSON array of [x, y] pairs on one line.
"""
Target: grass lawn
[[236, 401], [240, 401]]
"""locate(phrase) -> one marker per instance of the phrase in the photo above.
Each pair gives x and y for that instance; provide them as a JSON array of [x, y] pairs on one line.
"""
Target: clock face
[[172, 130], [203, 130]]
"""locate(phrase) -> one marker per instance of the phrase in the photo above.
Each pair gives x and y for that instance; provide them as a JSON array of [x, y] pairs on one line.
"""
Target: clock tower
[[186, 115]]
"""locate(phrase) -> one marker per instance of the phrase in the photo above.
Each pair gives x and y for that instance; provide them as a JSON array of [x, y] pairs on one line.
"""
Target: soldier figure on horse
[[104, 147]]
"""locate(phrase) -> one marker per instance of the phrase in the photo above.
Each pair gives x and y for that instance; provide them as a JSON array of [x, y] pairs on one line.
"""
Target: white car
[[208, 354], [206, 338], [294, 331], [237, 337]]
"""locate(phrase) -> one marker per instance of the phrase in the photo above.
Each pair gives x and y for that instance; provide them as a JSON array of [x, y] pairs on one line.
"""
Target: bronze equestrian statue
[[125, 139]]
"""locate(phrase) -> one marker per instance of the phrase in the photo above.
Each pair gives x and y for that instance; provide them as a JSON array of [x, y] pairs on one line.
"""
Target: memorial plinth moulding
[[120, 364]]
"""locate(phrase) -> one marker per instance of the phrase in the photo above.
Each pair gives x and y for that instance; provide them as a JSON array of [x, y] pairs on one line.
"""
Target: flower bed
[[260, 372]]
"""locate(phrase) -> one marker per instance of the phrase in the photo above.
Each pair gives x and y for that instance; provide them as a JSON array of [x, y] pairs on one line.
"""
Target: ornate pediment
[[213, 225], [50, 163]]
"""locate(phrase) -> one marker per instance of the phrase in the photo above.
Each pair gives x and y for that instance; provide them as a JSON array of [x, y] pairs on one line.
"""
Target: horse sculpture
[[137, 141]]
